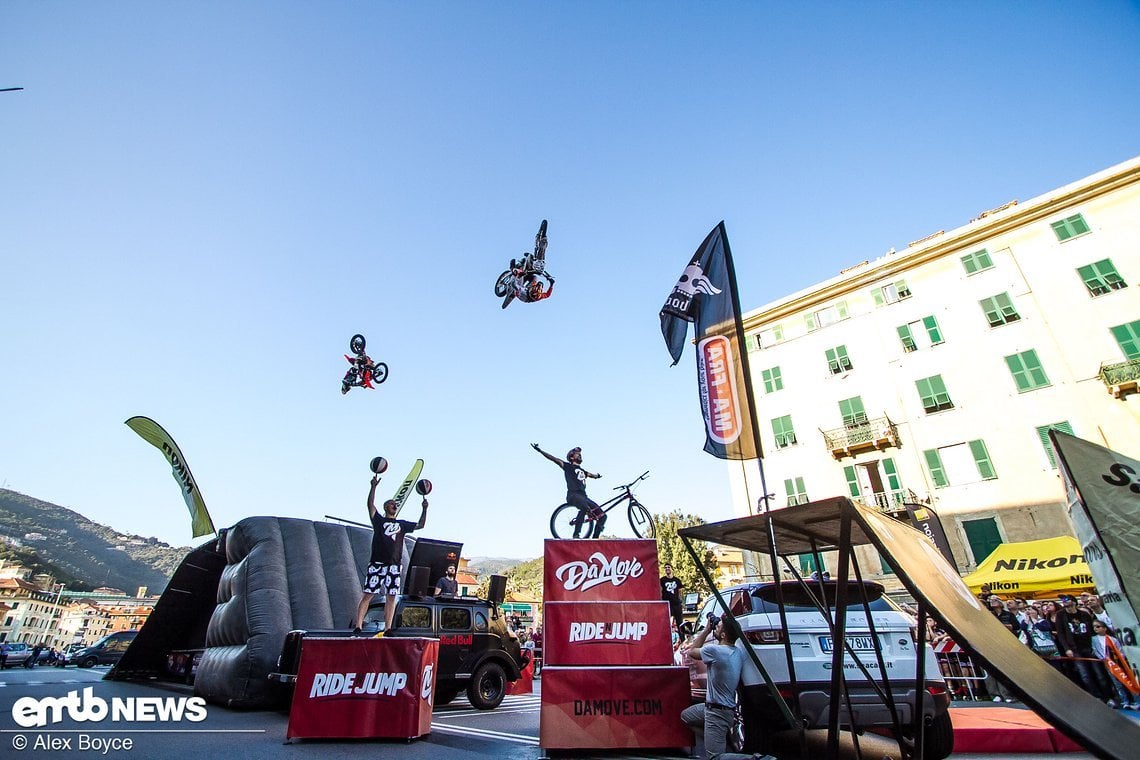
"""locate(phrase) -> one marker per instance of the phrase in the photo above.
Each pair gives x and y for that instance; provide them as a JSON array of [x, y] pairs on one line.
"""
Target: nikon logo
[[1033, 563]]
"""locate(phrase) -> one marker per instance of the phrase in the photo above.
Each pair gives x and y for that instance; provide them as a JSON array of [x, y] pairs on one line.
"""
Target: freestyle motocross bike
[[530, 264], [568, 521], [363, 372]]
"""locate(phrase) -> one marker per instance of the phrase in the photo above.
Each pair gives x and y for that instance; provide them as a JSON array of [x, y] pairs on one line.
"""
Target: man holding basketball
[[383, 573]]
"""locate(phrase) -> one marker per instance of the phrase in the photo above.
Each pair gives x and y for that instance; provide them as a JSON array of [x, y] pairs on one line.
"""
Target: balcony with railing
[[891, 502], [870, 435], [1121, 379]]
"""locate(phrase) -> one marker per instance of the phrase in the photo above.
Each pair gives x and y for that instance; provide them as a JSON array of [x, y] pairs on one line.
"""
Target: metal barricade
[[964, 678]]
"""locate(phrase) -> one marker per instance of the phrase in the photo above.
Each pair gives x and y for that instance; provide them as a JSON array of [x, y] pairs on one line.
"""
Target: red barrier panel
[[614, 708], [525, 684], [364, 688], [603, 570], [607, 633]]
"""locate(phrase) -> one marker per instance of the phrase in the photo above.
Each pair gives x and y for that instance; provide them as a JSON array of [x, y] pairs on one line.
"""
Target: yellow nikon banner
[[154, 434], [1034, 569]]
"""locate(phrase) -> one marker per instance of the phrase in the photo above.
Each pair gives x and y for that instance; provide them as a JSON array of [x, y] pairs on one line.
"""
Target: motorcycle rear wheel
[[379, 372], [503, 284]]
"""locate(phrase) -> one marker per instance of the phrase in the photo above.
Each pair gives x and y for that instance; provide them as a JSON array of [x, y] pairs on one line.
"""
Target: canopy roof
[[795, 528], [1033, 568]]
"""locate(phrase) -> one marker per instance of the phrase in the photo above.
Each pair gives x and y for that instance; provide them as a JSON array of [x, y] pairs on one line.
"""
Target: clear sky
[[200, 202]]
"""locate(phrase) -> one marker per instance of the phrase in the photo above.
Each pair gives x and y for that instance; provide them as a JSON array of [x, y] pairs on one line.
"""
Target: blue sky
[[201, 202]]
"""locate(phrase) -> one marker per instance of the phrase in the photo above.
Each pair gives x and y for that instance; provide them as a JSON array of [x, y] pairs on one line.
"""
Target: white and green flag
[[153, 433]]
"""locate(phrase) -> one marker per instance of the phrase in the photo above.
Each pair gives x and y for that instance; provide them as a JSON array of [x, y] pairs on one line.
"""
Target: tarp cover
[[1033, 569], [936, 583]]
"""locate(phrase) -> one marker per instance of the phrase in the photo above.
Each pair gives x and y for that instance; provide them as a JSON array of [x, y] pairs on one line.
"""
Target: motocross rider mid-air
[[522, 278]]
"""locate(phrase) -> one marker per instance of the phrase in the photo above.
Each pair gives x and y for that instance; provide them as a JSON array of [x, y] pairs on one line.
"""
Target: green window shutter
[[807, 564], [1101, 277], [1043, 434], [934, 462], [778, 332], [877, 294], [999, 310], [790, 488], [982, 536], [906, 338], [893, 481], [902, 289], [932, 391], [977, 261], [841, 309], [1128, 338], [852, 481], [773, 381], [811, 323], [931, 325], [887, 569], [982, 459], [1027, 371], [782, 430], [837, 359], [797, 494], [851, 410], [1070, 227]]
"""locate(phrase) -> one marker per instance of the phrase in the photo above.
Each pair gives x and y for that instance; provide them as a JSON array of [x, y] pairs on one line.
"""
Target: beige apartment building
[[932, 374]]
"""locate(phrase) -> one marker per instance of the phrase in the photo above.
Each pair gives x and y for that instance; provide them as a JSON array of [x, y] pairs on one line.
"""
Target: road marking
[[485, 734]]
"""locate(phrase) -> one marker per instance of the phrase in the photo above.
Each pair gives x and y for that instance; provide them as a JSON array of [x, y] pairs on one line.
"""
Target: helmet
[[535, 290]]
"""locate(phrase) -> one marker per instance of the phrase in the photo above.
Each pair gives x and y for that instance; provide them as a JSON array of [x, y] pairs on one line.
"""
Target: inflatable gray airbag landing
[[281, 574]]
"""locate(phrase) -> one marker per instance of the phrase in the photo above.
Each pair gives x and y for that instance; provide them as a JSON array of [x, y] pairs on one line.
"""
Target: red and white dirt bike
[[521, 279], [364, 372]]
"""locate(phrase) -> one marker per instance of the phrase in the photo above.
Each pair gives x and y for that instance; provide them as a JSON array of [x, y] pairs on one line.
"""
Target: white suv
[[755, 607]]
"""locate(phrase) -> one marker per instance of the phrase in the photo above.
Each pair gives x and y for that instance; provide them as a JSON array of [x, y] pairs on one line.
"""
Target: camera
[[713, 620]]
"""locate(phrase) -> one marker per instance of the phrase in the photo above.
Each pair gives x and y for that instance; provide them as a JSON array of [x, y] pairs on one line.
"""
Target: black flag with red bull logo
[[706, 295]]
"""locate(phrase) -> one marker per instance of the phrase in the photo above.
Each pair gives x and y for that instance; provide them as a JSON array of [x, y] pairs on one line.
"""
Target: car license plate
[[858, 643]]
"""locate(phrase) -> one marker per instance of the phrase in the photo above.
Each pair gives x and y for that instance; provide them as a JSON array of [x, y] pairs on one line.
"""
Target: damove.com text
[[617, 707], [600, 631], [597, 570], [350, 684]]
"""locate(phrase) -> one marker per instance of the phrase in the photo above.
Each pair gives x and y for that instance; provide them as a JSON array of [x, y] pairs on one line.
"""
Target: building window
[[920, 334], [837, 359], [933, 393], [1043, 434], [1101, 277], [999, 310], [1070, 227], [892, 293], [851, 410], [773, 381], [770, 337], [977, 261], [782, 429], [825, 317], [807, 564], [959, 464], [1027, 371], [1128, 338], [797, 494], [983, 537]]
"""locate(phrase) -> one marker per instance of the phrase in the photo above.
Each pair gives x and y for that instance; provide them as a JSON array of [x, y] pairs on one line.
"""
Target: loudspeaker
[[497, 589], [417, 582]]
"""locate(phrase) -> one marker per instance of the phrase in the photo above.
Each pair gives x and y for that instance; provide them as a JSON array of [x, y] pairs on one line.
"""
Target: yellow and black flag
[[706, 295], [153, 433]]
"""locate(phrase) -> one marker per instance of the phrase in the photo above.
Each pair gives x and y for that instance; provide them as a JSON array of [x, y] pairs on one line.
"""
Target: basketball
[[378, 465], [423, 487]]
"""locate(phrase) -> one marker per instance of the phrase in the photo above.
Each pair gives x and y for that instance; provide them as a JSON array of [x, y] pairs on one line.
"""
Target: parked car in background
[[18, 654], [106, 651], [757, 610]]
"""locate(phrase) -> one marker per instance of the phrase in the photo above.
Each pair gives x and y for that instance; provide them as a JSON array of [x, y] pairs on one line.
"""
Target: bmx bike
[[569, 521]]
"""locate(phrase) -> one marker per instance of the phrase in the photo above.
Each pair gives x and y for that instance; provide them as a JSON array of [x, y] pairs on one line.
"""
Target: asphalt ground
[[458, 730]]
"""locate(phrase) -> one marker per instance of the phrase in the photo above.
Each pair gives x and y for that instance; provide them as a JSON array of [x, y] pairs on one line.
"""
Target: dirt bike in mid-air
[[521, 279], [363, 372]]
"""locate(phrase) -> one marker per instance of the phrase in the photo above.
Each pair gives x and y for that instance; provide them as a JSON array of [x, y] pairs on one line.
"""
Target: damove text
[[598, 570], [617, 707], [601, 631], [347, 684]]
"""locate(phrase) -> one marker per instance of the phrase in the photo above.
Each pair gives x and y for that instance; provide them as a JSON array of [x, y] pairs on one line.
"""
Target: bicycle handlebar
[[643, 476]]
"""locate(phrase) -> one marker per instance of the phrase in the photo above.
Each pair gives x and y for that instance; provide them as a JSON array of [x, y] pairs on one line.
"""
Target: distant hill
[[492, 565], [80, 552]]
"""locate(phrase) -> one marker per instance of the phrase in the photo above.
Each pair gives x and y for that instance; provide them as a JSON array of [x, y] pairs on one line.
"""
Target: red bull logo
[[716, 376]]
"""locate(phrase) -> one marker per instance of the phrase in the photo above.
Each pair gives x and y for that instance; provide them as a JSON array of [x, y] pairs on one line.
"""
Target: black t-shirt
[[388, 538], [671, 590], [575, 477]]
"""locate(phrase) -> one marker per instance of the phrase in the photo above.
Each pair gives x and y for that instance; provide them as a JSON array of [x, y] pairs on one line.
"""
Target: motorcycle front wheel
[[379, 372], [568, 518], [503, 284], [641, 521], [356, 344]]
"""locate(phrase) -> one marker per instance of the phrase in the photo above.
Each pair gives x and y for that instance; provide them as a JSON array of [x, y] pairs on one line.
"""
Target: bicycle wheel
[[567, 522], [641, 521]]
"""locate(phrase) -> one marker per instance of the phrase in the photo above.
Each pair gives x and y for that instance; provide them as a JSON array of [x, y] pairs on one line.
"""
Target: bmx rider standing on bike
[[576, 490]]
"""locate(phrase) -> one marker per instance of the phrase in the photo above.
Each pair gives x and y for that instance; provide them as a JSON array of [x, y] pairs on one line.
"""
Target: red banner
[[614, 708], [607, 633], [364, 688], [602, 570]]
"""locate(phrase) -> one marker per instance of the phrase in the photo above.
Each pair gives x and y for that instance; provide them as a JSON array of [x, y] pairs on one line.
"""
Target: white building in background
[[933, 374]]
